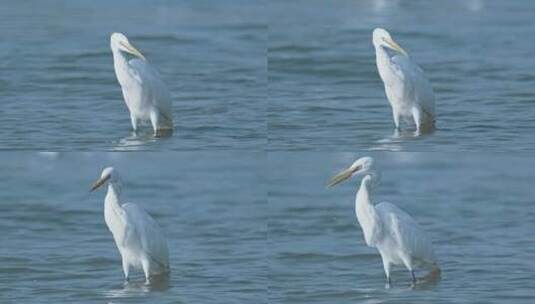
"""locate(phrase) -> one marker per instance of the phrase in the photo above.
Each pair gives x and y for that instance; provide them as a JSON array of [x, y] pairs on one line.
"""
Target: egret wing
[[406, 231], [415, 83], [150, 236], [153, 86]]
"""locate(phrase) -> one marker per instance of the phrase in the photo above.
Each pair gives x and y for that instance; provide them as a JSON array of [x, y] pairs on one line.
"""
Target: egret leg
[[133, 119], [407, 262], [417, 116], [387, 266], [145, 265], [396, 117], [126, 269], [155, 121]]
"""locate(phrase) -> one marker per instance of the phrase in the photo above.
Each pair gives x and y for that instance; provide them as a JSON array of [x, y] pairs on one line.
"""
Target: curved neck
[[113, 195], [375, 176], [363, 198], [383, 63], [119, 63], [365, 211], [113, 212]]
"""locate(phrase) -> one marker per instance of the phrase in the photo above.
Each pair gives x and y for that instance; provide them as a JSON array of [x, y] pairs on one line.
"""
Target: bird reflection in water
[[139, 140], [131, 288]]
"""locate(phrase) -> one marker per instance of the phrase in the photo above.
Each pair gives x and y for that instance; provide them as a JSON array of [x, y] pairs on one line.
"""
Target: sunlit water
[[477, 208], [325, 93], [58, 89], [56, 248]]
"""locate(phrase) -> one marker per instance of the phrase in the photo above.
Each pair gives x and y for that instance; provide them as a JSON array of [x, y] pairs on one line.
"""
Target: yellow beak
[[132, 50], [99, 183], [342, 176], [393, 45]]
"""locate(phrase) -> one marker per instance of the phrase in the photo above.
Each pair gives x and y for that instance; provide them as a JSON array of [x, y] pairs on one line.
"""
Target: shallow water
[[58, 89], [325, 92], [56, 247], [477, 208]]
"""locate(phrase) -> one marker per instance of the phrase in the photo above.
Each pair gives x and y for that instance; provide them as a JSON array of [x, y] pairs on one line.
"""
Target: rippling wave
[[59, 90], [477, 215], [320, 58], [57, 248]]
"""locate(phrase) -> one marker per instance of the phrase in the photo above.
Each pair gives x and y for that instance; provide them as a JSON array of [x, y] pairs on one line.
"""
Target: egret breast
[[137, 100], [399, 98], [389, 251], [132, 256]]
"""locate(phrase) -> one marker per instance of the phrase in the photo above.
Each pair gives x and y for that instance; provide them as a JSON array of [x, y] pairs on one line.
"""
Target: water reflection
[[128, 289], [395, 141], [164, 133], [138, 140], [412, 134], [425, 284]]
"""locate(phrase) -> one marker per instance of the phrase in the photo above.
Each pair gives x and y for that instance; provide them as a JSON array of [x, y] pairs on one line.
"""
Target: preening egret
[[395, 234], [138, 237], [409, 92], [144, 92]]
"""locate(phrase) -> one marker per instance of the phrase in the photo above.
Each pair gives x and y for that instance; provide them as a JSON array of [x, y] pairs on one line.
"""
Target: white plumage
[[395, 234], [138, 237], [144, 92], [409, 92]]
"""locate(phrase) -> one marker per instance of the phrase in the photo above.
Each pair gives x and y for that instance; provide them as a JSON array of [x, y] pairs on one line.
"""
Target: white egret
[[138, 237], [409, 92], [395, 234], [144, 92]]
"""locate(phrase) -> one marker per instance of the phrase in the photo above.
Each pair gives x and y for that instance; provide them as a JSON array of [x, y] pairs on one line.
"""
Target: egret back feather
[[153, 88], [406, 232], [417, 85], [149, 235]]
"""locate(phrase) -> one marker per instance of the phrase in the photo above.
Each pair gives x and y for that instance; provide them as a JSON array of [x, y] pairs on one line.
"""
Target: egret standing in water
[[395, 234], [409, 92], [138, 237], [144, 92]]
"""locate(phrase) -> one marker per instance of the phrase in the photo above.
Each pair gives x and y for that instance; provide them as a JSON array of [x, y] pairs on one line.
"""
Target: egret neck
[[366, 215], [119, 63], [112, 208], [383, 63]]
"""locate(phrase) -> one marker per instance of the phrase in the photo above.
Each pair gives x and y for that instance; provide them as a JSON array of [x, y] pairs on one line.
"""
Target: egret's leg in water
[[396, 117], [387, 265], [417, 116], [388, 282], [155, 121], [133, 119], [396, 133], [146, 265], [126, 269], [408, 263]]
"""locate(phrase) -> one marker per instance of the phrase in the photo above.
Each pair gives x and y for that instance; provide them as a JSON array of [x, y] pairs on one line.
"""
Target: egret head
[[119, 42], [108, 175], [381, 38], [361, 166]]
